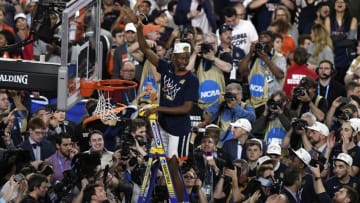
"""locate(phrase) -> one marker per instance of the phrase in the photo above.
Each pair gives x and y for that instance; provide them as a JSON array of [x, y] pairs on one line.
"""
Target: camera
[[299, 124], [261, 46], [344, 115], [272, 104], [205, 48], [299, 91], [228, 96]]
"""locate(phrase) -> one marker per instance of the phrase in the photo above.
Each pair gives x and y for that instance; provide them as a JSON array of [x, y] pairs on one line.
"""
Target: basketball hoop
[[105, 110]]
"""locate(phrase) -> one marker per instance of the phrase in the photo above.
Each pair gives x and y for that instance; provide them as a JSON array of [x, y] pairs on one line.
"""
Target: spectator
[[347, 145], [209, 64], [254, 150], [342, 177], [352, 72], [235, 147], [225, 35], [6, 39], [275, 121], [61, 159], [282, 27], [38, 187], [193, 186], [297, 71], [282, 12], [305, 99], [304, 41], [328, 87], [94, 193], [196, 14], [96, 142], [228, 109], [321, 47], [267, 72], [3, 24], [36, 144], [342, 27], [345, 194], [274, 152], [244, 32], [299, 160], [292, 184], [22, 33], [263, 10]]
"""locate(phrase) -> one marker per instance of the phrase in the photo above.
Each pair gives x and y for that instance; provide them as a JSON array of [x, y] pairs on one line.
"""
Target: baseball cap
[[302, 154], [19, 15], [242, 123], [345, 158], [320, 127], [224, 28], [273, 148], [151, 28], [130, 27], [256, 141], [182, 47], [265, 160], [212, 126], [355, 124]]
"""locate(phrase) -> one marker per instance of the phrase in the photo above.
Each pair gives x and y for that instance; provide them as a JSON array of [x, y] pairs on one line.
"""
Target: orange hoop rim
[[97, 117], [108, 85]]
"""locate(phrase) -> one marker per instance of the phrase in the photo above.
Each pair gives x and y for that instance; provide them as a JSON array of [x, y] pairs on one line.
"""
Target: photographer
[[227, 109], [209, 64], [298, 127], [305, 99], [267, 70], [275, 121]]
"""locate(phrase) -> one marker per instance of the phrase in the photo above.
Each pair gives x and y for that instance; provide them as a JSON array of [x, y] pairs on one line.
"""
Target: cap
[[257, 141], [225, 28], [345, 158], [130, 27], [303, 155], [265, 160], [355, 124], [320, 127], [212, 126], [151, 28], [273, 148], [19, 15], [182, 47], [242, 123]]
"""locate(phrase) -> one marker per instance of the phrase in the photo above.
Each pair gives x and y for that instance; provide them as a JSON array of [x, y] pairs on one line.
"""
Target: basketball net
[[104, 109]]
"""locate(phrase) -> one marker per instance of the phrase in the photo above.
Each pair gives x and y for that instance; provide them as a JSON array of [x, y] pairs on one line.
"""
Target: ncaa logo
[[257, 83], [275, 135], [209, 91]]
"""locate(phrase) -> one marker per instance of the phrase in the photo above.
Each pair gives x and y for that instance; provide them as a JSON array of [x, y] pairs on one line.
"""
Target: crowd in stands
[[257, 101]]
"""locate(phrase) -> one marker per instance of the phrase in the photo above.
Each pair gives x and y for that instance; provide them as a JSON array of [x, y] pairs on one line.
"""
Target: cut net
[[104, 109]]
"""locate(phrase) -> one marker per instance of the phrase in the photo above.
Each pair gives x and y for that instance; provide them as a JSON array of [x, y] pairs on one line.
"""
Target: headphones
[[332, 73]]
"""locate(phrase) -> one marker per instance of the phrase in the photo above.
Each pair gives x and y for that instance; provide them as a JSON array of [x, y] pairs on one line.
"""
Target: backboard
[[80, 55]]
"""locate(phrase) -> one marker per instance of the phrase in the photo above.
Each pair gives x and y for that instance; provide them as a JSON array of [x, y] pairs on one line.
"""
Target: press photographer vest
[[274, 132], [259, 77], [212, 83], [317, 101]]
